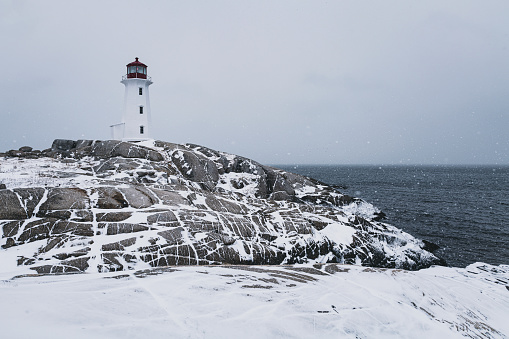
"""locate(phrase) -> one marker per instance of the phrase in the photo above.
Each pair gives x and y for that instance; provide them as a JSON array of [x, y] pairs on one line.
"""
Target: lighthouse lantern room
[[136, 119]]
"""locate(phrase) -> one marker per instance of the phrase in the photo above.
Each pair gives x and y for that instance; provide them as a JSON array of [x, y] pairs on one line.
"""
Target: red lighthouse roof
[[136, 69], [136, 63]]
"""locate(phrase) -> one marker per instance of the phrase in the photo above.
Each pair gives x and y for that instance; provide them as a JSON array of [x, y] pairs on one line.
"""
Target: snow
[[361, 208], [249, 183], [200, 236], [340, 233], [43, 172], [261, 301], [149, 144]]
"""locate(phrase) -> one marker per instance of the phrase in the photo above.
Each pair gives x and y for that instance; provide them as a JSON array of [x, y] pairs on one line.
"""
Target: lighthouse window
[[141, 129], [140, 91], [141, 109]]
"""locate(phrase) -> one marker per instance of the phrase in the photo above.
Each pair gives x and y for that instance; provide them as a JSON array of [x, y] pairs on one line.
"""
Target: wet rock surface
[[110, 205]]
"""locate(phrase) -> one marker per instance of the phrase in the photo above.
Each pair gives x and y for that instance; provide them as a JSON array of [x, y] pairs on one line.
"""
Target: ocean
[[462, 209]]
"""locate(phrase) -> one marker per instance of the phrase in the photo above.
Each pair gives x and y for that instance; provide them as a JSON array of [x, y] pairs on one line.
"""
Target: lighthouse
[[136, 120]]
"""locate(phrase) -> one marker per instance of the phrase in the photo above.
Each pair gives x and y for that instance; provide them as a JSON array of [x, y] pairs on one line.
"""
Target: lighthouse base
[[136, 140], [118, 133]]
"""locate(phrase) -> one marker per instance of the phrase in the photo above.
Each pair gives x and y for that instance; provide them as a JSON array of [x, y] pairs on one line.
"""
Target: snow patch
[[339, 233]]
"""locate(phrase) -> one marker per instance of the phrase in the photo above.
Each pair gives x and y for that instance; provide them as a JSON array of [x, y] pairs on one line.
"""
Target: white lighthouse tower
[[136, 120]]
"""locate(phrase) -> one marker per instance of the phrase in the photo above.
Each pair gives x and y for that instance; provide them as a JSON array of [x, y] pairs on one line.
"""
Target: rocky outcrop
[[110, 205]]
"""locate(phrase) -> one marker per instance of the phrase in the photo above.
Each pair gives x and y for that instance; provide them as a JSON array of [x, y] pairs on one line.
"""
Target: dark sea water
[[463, 209]]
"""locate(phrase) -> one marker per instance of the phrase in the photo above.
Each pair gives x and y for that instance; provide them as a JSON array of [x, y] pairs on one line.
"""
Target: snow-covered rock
[[99, 206], [299, 301]]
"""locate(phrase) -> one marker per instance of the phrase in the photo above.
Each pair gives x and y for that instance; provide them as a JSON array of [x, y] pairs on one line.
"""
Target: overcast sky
[[282, 82]]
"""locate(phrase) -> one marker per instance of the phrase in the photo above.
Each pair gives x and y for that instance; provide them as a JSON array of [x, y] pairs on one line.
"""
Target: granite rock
[[111, 205]]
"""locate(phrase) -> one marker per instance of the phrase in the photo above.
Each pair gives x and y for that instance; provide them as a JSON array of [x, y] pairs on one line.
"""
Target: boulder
[[9, 243], [11, 203], [11, 228], [115, 148], [169, 197], [172, 236], [71, 215], [196, 168], [10, 207], [277, 182], [15, 153], [26, 149], [63, 145], [78, 265], [138, 196], [110, 198], [222, 205], [119, 228], [163, 217], [63, 198], [113, 216], [83, 143], [119, 245]]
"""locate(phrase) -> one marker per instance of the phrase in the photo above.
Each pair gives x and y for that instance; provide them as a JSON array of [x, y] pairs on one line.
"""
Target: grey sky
[[339, 82]]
